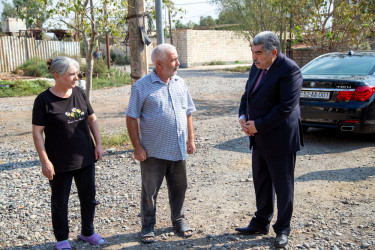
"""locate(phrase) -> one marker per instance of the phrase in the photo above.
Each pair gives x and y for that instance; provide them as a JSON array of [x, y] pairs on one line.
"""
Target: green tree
[[328, 24], [206, 21], [32, 12], [338, 24], [252, 16], [91, 20], [8, 10]]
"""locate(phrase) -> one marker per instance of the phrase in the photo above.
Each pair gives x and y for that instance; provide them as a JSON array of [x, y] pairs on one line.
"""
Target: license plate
[[315, 94]]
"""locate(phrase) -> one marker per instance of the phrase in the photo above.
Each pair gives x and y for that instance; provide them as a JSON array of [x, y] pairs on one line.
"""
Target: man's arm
[[132, 126], [190, 144]]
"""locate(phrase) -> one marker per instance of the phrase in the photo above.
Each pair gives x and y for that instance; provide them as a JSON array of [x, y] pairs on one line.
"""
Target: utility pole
[[159, 22], [107, 40], [137, 47], [170, 26]]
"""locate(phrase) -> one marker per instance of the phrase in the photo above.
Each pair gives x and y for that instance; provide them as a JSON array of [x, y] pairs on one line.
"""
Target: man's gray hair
[[269, 40], [61, 65], [160, 52]]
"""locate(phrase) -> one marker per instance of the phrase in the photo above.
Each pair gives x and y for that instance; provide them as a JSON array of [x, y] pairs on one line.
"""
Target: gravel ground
[[334, 189]]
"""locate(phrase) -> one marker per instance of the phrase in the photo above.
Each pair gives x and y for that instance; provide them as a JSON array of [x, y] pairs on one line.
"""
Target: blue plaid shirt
[[163, 110]]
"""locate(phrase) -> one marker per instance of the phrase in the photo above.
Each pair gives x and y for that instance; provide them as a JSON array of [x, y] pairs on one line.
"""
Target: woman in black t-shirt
[[65, 116]]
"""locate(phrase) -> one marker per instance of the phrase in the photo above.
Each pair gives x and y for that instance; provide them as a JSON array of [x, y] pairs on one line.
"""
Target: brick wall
[[198, 47], [304, 55]]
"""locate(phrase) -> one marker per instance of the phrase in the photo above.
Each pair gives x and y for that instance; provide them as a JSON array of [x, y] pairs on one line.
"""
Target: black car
[[338, 92]]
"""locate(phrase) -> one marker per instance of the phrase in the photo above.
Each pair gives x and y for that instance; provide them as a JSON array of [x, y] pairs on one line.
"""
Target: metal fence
[[14, 51]]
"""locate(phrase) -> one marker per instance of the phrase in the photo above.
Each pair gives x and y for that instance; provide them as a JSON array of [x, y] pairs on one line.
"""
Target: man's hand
[[243, 125], [248, 127], [190, 146], [140, 153]]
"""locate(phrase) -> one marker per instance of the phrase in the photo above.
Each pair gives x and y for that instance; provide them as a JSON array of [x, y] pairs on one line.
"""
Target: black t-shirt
[[68, 141]]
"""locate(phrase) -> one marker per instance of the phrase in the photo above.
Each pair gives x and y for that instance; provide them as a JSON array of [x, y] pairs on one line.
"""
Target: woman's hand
[[48, 170], [99, 152]]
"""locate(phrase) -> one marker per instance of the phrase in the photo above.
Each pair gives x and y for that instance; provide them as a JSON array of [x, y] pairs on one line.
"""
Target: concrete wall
[[12, 25], [198, 47]]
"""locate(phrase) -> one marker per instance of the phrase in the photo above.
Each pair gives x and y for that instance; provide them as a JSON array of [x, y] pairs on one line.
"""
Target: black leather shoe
[[281, 240], [250, 229]]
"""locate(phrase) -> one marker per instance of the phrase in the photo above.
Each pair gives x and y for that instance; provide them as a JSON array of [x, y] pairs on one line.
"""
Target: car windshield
[[341, 65]]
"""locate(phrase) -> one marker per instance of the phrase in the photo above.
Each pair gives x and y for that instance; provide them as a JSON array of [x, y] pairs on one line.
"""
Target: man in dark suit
[[269, 114]]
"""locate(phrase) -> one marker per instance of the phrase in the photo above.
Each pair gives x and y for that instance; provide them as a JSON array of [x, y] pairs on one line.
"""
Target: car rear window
[[341, 65]]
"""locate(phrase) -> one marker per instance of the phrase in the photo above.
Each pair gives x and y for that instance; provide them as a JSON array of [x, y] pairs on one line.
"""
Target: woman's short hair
[[160, 52], [61, 65], [269, 40]]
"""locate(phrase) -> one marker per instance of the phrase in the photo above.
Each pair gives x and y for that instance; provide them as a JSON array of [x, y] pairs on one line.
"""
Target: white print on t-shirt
[[75, 116], [80, 119]]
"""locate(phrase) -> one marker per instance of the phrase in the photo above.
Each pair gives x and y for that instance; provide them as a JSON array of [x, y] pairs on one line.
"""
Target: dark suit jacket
[[274, 106]]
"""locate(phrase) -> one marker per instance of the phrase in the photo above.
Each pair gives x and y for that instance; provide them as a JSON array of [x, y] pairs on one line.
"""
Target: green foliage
[[206, 21], [22, 88], [82, 48], [34, 67], [8, 10], [189, 25], [113, 78], [326, 24], [100, 67], [115, 140], [121, 60], [33, 12], [216, 62], [239, 69]]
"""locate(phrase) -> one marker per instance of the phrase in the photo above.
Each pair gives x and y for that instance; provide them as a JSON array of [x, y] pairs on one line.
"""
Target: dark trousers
[[153, 171], [273, 175], [60, 187]]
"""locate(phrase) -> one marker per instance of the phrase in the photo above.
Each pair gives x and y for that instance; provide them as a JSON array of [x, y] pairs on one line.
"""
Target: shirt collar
[[156, 79]]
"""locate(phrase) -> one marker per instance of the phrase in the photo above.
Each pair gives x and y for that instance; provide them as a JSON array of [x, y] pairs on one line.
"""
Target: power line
[[190, 3]]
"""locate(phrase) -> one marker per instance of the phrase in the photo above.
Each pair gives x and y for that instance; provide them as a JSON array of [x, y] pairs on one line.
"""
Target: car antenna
[[351, 52]]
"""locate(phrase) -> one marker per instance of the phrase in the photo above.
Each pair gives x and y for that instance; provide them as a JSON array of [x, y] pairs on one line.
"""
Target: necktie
[[259, 79]]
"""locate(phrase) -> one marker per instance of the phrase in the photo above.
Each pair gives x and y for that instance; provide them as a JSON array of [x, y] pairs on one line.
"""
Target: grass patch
[[115, 140], [216, 62], [22, 88], [239, 69]]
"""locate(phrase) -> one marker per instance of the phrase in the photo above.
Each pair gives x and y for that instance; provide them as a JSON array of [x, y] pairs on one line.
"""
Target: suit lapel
[[268, 74]]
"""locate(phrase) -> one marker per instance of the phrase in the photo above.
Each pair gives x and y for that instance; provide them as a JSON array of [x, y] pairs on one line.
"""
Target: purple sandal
[[63, 245], [94, 239]]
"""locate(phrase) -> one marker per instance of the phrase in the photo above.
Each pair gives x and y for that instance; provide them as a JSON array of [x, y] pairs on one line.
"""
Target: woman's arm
[[94, 128], [47, 167]]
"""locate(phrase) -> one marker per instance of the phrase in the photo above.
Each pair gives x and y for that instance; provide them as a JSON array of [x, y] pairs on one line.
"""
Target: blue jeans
[[153, 171]]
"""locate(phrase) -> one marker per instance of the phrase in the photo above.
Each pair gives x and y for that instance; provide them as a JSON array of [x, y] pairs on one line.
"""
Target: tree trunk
[[137, 47]]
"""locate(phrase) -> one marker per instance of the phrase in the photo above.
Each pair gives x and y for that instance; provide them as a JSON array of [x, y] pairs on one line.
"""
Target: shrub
[[115, 79], [34, 67], [121, 60]]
